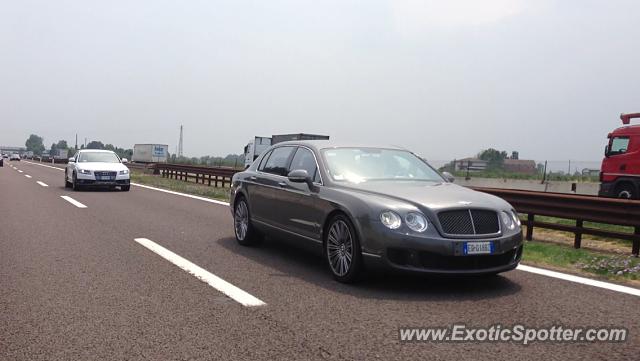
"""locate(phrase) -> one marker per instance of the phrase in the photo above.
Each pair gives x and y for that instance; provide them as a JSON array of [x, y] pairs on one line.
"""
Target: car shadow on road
[[306, 263]]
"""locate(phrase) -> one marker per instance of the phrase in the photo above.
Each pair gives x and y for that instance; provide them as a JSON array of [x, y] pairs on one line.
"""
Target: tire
[[76, 186], [125, 188], [626, 191], [67, 184], [342, 250], [246, 235]]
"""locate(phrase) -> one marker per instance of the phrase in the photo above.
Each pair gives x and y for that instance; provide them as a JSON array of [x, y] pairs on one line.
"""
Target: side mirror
[[606, 151], [125, 160], [449, 177], [300, 176], [72, 160]]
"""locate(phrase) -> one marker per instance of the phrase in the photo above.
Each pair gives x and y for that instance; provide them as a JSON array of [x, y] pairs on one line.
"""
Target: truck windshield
[[619, 145], [358, 165], [102, 157]]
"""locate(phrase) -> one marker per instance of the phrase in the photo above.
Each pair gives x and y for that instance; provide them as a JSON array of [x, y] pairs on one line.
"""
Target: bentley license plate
[[478, 247]]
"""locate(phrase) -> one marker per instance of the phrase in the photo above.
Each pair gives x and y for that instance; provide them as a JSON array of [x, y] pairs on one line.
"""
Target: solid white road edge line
[[42, 184], [214, 281], [73, 201], [44, 165], [538, 271], [28, 176], [182, 194], [582, 280]]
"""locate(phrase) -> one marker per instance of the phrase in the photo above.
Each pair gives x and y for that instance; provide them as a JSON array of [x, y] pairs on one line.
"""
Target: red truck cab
[[620, 171]]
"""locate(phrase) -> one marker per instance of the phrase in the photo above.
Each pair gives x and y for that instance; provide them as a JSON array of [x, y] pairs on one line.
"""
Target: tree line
[[35, 144]]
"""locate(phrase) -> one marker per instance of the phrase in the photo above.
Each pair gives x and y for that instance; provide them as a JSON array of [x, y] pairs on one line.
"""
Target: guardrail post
[[209, 180], [636, 241], [578, 240], [197, 176], [530, 219]]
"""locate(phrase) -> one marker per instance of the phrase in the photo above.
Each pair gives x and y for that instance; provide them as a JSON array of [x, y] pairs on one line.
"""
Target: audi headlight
[[123, 172], [507, 220], [416, 222], [516, 218], [390, 219], [85, 171]]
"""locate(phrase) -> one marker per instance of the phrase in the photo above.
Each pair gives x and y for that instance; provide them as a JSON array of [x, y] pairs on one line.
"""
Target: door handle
[[253, 178], [282, 184]]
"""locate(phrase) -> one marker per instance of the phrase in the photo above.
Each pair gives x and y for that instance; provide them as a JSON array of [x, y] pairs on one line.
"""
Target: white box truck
[[150, 153], [254, 148]]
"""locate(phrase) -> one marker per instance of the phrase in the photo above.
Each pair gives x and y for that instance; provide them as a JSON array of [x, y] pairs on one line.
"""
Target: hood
[[431, 195], [97, 166]]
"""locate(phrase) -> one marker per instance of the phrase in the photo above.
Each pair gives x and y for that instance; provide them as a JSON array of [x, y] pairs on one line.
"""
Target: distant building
[[522, 166], [473, 164], [591, 172]]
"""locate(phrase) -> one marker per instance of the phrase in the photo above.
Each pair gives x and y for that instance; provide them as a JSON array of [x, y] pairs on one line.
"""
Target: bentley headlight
[[507, 220], [390, 219], [516, 218], [416, 222]]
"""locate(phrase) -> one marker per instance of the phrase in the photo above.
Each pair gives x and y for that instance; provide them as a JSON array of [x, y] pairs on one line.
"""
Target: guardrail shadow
[[289, 259]]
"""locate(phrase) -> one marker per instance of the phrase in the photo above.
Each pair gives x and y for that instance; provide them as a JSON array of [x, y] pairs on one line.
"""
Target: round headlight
[[507, 220], [416, 222], [516, 218], [390, 219]]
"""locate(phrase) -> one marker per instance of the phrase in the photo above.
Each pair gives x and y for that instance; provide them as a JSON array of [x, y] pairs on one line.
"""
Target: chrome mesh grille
[[469, 222]]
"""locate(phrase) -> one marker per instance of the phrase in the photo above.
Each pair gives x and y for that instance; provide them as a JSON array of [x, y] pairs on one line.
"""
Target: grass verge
[[616, 267], [180, 186]]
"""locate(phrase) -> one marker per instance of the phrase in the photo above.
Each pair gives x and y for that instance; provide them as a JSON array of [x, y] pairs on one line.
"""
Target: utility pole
[[76, 141], [180, 143]]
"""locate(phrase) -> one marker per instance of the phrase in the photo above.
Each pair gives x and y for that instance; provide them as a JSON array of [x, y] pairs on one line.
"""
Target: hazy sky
[[443, 78]]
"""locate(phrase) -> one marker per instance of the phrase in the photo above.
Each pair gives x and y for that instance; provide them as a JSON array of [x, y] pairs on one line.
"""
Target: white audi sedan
[[96, 168]]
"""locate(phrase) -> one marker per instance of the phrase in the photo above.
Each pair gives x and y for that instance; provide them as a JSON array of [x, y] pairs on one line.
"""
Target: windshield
[[102, 157], [358, 165]]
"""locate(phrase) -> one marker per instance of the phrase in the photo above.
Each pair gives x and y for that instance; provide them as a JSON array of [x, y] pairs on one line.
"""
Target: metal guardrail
[[202, 175], [574, 207]]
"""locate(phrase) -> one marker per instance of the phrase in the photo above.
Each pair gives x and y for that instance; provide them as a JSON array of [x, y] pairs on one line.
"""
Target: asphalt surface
[[74, 285]]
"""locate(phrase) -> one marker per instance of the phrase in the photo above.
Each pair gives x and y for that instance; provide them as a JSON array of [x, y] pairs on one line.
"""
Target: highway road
[[76, 285]]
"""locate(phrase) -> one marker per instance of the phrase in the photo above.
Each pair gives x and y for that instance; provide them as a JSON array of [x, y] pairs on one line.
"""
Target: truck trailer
[[150, 153]]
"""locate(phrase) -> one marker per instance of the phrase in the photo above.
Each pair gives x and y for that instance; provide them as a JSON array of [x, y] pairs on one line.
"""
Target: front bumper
[[607, 189], [90, 180], [443, 255]]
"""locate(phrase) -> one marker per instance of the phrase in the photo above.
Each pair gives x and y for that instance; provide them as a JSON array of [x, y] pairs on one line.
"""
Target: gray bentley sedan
[[373, 207]]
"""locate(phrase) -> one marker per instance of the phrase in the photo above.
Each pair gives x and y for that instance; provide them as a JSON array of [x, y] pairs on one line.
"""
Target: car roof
[[96, 150], [328, 144]]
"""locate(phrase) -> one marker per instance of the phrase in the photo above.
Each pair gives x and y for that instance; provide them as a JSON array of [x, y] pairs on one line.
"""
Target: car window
[[278, 160], [263, 161], [304, 159], [619, 145], [356, 165], [102, 157]]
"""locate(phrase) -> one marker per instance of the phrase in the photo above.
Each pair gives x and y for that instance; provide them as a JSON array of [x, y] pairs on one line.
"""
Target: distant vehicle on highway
[[373, 206], [96, 168], [150, 153], [5, 155], [620, 171], [14, 156]]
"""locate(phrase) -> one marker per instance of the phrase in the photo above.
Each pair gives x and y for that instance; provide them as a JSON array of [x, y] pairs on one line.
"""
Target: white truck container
[[150, 153], [254, 148], [61, 154]]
